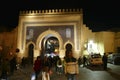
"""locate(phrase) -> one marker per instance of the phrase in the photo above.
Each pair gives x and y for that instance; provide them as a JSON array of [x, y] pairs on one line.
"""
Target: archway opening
[[30, 53], [50, 46], [68, 48]]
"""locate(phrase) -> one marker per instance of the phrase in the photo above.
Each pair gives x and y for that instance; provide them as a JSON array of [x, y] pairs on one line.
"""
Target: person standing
[[13, 64], [46, 68], [104, 59], [79, 61], [84, 61], [71, 66], [23, 63], [5, 69], [59, 66], [37, 66]]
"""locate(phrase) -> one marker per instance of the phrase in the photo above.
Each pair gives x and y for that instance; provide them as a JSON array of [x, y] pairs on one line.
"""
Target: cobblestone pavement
[[85, 73]]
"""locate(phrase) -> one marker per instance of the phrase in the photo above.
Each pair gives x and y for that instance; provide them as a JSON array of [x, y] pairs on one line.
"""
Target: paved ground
[[85, 73]]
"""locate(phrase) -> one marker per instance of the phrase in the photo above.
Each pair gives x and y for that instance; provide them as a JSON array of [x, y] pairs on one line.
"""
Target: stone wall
[[8, 42]]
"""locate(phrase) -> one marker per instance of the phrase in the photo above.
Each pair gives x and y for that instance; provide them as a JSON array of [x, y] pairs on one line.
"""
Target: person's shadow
[[113, 74], [95, 67]]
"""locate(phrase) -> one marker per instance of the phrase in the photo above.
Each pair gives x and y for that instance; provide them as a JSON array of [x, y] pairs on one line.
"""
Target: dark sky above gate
[[98, 15]]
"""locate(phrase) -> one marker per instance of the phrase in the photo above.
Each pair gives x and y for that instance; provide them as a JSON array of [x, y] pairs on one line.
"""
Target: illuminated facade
[[35, 27], [65, 25]]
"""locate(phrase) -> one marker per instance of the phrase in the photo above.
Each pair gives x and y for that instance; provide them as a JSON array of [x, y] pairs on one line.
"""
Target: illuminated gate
[[63, 24]]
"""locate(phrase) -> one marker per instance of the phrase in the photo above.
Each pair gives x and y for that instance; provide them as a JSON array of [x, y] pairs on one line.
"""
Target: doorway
[[30, 53], [68, 48]]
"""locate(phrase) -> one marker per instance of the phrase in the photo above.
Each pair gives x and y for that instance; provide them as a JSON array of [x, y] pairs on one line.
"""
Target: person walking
[[104, 59], [71, 67], [37, 67], [46, 68]]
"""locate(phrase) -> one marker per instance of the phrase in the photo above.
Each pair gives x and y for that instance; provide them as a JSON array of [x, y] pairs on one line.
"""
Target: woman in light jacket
[[71, 67]]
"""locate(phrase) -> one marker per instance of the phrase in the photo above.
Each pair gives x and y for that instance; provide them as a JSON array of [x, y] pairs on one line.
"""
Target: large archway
[[50, 46], [46, 37]]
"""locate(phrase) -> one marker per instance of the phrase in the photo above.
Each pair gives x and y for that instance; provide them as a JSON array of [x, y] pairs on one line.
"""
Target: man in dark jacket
[[104, 59]]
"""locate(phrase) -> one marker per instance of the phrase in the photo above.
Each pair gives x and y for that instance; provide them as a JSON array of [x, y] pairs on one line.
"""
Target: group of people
[[8, 66], [83, 60], [42, 67], [68, 66]]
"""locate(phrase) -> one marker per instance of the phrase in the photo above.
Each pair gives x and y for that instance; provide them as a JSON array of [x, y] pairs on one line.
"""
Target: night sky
[[98, 15]]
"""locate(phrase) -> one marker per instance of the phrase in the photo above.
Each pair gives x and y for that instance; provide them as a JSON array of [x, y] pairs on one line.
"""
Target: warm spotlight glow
[[92, 47]]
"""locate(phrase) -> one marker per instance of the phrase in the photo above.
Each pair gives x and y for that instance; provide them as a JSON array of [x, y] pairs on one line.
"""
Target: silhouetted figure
[[84, 61], [46, 68], [56, 58], [104, 59], [5, 69], [37, 66], [59, 66], [23, 63], [13, 64], [79, 61]]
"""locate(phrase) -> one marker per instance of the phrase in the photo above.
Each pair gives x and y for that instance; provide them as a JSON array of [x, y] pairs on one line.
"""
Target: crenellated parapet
[[51, 11]]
